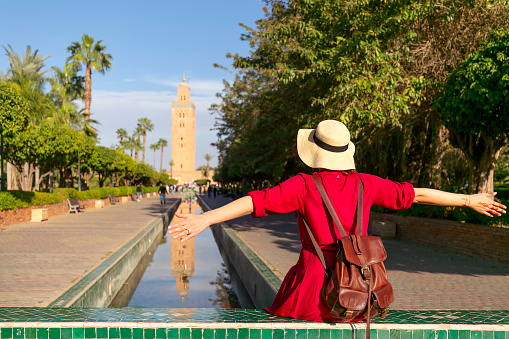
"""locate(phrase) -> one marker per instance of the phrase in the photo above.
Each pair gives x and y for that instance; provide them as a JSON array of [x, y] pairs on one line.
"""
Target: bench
[[75, 206], [113, 199]]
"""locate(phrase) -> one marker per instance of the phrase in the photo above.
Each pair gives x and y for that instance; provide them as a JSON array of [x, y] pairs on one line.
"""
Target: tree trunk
[[39, 180], [144, 144], [88, 90], [161, 168]]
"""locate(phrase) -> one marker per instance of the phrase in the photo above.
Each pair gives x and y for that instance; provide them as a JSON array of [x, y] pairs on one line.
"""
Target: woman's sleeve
[[283, 198], [390, 194]]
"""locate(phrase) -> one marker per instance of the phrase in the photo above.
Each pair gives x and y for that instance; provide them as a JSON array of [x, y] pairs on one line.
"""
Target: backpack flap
[[369, 247]]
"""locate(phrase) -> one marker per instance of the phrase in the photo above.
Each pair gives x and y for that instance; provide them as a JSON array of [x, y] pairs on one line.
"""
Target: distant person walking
[[138, 192], [162, 194]]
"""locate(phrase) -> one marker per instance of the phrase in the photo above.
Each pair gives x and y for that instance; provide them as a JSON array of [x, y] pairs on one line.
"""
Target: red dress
[[299, 295]]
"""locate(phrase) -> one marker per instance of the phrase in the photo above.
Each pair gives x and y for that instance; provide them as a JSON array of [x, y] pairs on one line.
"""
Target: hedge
[[21, 199]]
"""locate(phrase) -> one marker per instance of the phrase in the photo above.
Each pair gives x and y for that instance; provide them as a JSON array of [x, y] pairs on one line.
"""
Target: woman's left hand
[[190, 226], [484, 203]]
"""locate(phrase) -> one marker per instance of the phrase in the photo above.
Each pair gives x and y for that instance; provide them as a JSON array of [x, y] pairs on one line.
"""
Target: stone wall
[[486, 241], [18, 215]]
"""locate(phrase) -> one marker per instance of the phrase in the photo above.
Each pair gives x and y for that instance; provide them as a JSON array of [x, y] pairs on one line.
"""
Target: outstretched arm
[[482, 203], [193, 224]]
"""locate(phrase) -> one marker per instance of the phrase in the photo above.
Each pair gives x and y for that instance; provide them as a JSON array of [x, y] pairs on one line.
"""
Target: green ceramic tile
[[126, 333], [90, 332], [313, 333], [266, 333], [428, 334], [18, 333], [78, 333], [464, 334], [301, 333], [289, 334], [54, 333], [255, 333], [417, 334], [441, 334], [149, 333], [499, 335], [361, 333], [161, 333], [172, 333], [114, 333], [243, 333], [348, 334], [185, 333], [325, 333], [138, 333], [66, 333], [476, 334], [394, 334], [208, 333], [373, 333], [6, 333], [405, 334], [102, 333], [337, 334], [42, 333], [278, 334], [383, 334], [30, 333], [232, 333], [220, 333], [452, 334], [487, 334], [196, 333]]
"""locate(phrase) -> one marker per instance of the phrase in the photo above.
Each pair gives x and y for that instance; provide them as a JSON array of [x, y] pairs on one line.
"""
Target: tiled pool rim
[[129, 323]]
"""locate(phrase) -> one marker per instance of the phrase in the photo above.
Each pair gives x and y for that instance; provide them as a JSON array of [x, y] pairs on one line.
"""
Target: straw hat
[[328, 146]]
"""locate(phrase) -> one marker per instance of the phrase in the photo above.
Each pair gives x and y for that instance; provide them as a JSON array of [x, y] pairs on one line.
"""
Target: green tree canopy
[[475, 108]]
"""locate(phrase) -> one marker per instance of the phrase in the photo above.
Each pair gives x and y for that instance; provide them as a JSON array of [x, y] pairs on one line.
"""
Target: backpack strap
[[332, 212], [328, 270], [337, 222]]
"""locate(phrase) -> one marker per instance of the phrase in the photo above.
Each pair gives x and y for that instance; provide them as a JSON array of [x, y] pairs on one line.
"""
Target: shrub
[[22, 199]]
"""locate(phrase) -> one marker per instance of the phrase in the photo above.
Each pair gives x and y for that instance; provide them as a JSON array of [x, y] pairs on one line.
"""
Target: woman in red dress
[[329, 149]]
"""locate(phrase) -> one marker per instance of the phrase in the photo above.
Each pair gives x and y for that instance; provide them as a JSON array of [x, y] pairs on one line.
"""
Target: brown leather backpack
[[358, 285]]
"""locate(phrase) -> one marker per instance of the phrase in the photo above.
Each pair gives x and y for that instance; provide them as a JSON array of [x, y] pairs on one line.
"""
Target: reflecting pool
[[180, 275]]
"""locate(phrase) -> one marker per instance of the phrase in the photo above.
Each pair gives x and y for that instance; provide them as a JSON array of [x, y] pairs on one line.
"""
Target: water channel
[[179, 275]]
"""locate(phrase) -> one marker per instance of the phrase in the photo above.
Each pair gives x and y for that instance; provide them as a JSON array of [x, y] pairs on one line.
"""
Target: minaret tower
[[183, 132]]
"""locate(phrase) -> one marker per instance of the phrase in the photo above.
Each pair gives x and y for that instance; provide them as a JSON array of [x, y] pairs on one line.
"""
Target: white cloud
[[116, 110], [198, 87]]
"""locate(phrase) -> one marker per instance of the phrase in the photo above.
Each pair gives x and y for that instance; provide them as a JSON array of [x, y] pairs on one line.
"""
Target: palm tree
[[208, 157], [154, 147], [162, 143], [171, 163], [93, 57], [138, 131], [122, 134], [133, 144], [145, 125]]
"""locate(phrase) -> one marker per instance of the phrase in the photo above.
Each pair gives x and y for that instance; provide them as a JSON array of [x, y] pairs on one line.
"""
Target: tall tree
[[162, 143], [475, 109], [137, 133], [154, 147], [121, 135], [93, 57], [171, 163], [145, 125], [208, 157]]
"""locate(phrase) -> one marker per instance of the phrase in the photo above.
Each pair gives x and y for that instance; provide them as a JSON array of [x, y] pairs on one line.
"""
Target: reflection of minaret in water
[[182, 264]]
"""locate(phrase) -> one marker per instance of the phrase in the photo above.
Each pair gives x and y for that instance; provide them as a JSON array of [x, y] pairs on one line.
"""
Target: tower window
[[180, 166]]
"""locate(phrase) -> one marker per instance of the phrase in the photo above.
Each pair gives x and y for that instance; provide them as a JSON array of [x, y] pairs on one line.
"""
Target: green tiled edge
[[85, 282], [267, 273], [252, 333], [207, 315]]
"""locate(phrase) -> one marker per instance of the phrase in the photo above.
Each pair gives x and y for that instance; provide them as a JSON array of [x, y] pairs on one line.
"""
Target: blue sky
[[153, 43]]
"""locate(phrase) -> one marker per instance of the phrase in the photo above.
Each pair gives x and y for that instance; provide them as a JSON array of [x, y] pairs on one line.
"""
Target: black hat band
[[327, 147]]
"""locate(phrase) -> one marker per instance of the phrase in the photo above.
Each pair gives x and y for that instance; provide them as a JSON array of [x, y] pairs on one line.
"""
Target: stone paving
[[423, 278], [39, 261]]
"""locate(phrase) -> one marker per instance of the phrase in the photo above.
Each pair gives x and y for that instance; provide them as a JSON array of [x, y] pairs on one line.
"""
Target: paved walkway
[[423, 278], [39, 261]]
